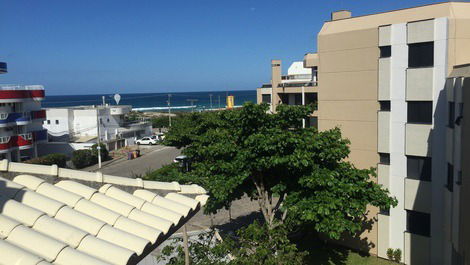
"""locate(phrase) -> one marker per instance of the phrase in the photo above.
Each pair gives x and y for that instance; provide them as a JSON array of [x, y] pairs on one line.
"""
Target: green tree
[[296, 174], [103, 152], [254, 244]]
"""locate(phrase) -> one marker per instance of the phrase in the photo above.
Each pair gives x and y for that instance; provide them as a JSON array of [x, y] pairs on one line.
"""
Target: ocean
[[156, 101]]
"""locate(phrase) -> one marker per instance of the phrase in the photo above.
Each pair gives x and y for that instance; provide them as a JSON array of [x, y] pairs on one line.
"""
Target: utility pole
[[192, 103], [169, 110], [99, 136], [104, 103], [210, 96], [219, 101]]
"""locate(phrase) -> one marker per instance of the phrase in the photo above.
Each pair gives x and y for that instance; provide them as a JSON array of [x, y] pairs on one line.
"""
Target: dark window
[[450, 177], [311, 98], [451, 119], [459, 178], [266, 98], [312, 122], [298, 99], [107, 120], [384, 158], [48, 121], [385, 105], [419, 168], [385, 51], [418, 223], [56, 121], [420, 112], [421, 55], [460, 114]]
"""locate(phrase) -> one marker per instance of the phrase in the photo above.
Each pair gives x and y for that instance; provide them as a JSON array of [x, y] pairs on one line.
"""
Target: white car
[[158, 137], [146, 140]]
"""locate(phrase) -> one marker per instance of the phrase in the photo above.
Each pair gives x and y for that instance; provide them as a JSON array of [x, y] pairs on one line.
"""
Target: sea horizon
[[180, 101]]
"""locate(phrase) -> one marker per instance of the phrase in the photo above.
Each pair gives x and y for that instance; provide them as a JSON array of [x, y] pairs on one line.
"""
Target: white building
[[20, 120], [80, 125]]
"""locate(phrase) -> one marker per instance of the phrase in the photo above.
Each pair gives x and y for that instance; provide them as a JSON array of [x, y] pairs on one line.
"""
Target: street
[[153, 157]]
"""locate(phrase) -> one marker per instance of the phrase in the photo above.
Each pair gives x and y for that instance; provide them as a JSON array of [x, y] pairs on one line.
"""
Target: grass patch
[[321, 253]]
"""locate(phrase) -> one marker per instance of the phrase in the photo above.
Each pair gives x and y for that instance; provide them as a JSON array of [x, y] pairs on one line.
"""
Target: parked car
[[146, 140]]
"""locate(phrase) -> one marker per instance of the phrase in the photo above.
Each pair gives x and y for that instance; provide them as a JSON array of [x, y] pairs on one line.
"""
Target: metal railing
[[21, 87]]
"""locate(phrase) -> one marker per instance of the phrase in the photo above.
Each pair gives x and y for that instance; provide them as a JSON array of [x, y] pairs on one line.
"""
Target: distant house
[[81, 125]]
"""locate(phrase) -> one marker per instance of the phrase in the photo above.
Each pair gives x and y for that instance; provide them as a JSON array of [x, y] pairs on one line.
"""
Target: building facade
[[21, 119], [83, 124], [381, 78]]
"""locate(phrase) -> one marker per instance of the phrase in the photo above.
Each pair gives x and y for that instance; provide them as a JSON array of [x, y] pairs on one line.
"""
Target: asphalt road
[[153, 157]]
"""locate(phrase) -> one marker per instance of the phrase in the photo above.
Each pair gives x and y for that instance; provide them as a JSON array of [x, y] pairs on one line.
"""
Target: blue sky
[[101, 46]]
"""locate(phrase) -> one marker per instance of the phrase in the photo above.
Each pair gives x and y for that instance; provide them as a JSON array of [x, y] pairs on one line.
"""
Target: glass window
[[451, 119], [418, 223], [385, 105], [384, 158], [312, 122], [311, 98], [385, 51], [266, 98], [298, 99], [450, 177], [420, 112], [56, 121], [421, 54], [419, 168], [48, 121]]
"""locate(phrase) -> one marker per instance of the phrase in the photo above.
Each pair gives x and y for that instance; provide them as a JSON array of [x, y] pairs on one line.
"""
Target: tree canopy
[[296, 174]]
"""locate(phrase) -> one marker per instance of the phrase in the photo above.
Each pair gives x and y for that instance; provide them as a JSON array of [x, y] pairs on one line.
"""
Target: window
[[385, 105], [418, 223], [450, 177], [107, 120], [385, 51], [420, 112], [460, 115], [266, 98], [311, 122], [419, 168], [384, 158], [311, 98], [56, 121], [48, 121], [298, 99], [451, 118], [421, 55]]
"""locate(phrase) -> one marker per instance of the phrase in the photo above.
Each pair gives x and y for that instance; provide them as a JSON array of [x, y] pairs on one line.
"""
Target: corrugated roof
[[72, 223]]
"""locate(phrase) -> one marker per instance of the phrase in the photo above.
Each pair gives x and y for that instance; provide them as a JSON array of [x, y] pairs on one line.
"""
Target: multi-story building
[[381, 79], [298, 87], [20, 120], [83, 124]]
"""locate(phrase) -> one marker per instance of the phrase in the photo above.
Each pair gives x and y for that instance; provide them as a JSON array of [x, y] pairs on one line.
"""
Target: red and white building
[[21, 119]]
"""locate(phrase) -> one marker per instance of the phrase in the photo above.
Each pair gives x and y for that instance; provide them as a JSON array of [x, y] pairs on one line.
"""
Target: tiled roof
[[72, 223]]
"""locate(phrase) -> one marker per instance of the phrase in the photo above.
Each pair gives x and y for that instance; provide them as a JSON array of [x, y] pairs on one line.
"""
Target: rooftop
[[62, 216]]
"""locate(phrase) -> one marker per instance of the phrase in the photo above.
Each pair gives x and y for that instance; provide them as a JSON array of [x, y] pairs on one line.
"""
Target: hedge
[[83, 158], [52, 159]]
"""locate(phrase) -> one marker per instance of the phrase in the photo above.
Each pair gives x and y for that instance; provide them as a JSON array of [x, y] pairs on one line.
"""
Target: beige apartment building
[[381, 78]]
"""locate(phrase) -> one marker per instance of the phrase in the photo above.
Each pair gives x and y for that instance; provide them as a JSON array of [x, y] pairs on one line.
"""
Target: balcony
[[3, 68], [418, 139], [8, 119], [266, 86], [419, 83], [24, 141], [418, 195], [299, 84], [21, 93], [417, 249]]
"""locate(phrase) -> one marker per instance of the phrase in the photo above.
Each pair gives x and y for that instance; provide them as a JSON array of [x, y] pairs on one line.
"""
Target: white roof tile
[[71, 223]]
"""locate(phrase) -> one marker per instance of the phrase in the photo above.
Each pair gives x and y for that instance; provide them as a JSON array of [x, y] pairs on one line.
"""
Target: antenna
[[169, 110]]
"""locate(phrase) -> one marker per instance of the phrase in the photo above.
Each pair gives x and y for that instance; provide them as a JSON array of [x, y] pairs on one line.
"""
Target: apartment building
[[381, 78], [298, 87], [20, 120], [83, 124]]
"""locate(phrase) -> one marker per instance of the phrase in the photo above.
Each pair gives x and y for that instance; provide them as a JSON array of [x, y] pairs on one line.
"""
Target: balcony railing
[[300, 84], [21, 87], [266, 86], [296, 77]]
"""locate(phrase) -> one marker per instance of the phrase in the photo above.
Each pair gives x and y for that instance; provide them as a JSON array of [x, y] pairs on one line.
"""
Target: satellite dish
[[117, 98]]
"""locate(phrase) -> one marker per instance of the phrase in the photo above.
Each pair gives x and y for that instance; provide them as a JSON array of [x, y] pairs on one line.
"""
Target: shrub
[[160, 122], [390, 253], [52, 159], [83, 158], [397, 255], [104, 152]]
